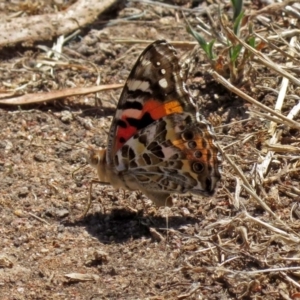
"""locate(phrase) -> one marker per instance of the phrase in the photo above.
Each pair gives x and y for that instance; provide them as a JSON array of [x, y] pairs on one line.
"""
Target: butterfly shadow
[[121, 224]]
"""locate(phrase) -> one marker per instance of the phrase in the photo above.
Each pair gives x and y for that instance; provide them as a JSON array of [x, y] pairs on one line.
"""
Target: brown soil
[[198, 249]]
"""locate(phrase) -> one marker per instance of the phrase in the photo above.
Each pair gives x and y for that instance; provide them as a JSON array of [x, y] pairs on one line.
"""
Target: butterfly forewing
[[150, 93]]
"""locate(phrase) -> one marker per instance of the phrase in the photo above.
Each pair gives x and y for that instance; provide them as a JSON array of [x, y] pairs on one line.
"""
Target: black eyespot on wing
[[122, 140], [198, 154], [192, 144], [188, 135], [197, 167]]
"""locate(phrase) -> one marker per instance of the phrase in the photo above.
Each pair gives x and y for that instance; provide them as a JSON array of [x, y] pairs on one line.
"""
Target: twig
[[45, 27], [38, 218], [54, 95]]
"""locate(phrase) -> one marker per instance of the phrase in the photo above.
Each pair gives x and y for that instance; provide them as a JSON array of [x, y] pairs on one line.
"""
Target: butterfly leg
[[159, 198], [89, 202], [76, 170]]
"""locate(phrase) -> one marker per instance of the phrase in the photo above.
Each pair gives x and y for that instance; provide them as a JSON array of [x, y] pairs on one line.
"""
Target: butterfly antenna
[[78, 169], [89, 200], [74, 145]]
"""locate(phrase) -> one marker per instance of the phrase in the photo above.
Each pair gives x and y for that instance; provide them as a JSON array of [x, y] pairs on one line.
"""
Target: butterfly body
[[158, 142]]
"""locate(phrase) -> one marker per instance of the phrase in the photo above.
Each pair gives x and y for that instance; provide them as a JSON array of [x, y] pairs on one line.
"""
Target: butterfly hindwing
[[174, 154]]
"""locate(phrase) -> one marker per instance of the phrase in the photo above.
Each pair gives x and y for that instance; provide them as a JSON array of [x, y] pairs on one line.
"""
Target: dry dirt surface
[[242, 243]]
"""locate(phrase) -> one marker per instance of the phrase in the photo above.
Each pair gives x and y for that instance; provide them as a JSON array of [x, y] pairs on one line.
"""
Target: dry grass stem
[[294, 112], [246, 97], [265, 60], [246, 185], [294, 239]]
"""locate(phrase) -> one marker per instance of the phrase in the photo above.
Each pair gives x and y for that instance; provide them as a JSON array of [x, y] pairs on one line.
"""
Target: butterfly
[[158, 142]]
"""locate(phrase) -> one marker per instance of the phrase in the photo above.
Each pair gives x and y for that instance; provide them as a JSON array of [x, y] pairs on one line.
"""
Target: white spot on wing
[[134, 85], [163, 83], [144, 62], [163, 71], [184, 87]]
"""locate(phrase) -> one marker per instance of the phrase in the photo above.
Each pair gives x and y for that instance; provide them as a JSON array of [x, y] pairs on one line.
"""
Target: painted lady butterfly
[[158, 142]]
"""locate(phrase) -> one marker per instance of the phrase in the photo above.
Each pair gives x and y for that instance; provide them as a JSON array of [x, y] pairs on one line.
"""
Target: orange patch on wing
[[155, 108], [158, 110]]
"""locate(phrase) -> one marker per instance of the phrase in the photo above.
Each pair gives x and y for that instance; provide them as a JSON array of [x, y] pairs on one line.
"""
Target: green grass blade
[[251, 42], [235, 52], [237, 8], [207, 47], [237, 23]]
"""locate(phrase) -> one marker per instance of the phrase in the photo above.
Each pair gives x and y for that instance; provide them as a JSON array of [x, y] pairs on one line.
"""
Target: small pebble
[[23, 191], [39, 157], [62, 212], [66, 116]]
